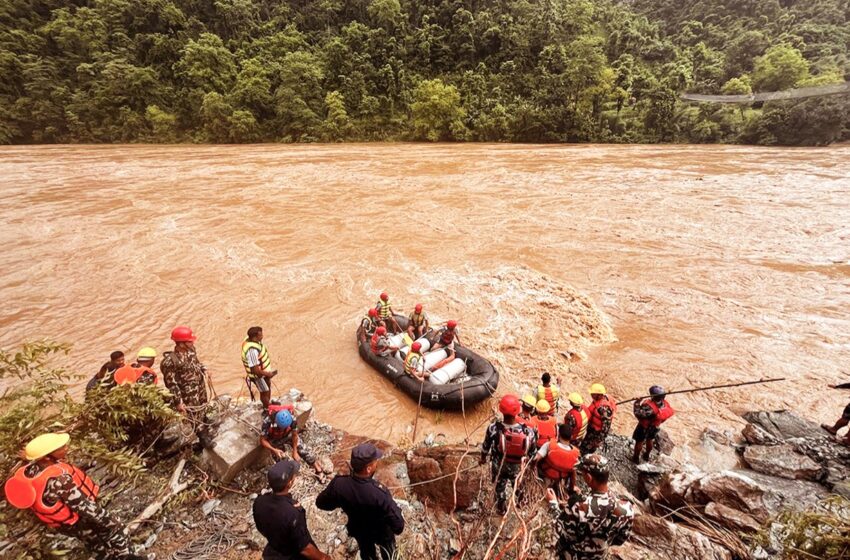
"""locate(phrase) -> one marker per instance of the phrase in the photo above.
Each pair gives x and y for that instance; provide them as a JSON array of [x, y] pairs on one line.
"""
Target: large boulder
[[782, 461], [784, 425], [731, 518], [734, 490], [669, 540], [429, 463]]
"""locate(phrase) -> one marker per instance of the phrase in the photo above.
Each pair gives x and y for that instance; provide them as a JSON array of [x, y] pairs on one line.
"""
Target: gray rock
[[731, 489], [783, 424], [731, 518], [756, 435], [237, 444], [676, 541], [782, 461]]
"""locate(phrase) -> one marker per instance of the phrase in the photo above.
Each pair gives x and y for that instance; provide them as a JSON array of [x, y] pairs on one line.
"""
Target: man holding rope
[[257, 364], [185, 377]]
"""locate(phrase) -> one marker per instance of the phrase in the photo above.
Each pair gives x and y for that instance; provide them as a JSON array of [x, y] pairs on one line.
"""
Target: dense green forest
[[360, 70]]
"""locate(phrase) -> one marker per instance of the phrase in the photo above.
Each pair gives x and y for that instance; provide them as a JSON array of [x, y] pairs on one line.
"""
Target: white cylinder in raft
[[449, 372], [434, 358]]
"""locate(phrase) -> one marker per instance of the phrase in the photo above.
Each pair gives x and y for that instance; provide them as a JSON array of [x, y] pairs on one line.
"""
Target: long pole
[[696, 389]]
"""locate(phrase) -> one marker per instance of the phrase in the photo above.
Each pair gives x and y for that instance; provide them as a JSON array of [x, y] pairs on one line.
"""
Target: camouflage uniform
[[184, 376], [593, 440], [105, 537], [502, 472], [588, 525]]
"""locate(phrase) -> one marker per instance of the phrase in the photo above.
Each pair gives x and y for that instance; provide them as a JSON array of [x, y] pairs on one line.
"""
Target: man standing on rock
[[257, 364], [841, 422], [374, 518], [601, 412], [588, 525], [651, 413], [184, 376], [282, 520]]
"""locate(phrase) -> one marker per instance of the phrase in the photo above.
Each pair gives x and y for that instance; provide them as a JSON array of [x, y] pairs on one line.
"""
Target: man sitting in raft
[[371, 322], [386, 313], [417, 323], [380, 344], [446, 338], [414, 365], [278, 431]]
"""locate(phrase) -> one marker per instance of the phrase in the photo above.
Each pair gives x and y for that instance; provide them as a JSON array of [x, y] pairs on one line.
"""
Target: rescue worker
[[600, 412], [103, 377], [65, 498], [140, 371], [386, 313], [843, 421], [373, 516], [528, 406], [577, 418], [417, 323], [380, 343], [184, 376], [279, 430], [446, 338], [414, 364], [588, 525], [509, 445], [546, 425], [371, 322], [546, 390], [282, 520], [651, 413], [258, 365], [557, 460]]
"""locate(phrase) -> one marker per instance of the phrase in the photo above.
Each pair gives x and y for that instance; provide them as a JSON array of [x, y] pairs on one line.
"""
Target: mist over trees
[[449, 70]]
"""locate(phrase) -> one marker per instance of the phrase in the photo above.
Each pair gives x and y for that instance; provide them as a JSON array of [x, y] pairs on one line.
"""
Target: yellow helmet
[[597, 389], [529, 400], [575, 398], [146, 353], [543, 406], [44, 445]]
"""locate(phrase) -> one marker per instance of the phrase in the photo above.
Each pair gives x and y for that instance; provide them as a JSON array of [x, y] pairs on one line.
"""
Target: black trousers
[[372, 548]]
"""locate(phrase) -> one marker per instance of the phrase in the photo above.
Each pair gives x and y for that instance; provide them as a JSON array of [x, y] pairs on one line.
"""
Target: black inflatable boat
[[468, 385]]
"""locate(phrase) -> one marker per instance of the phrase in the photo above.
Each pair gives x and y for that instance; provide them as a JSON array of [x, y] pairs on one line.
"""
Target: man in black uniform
[[373, 516], [282, 521]]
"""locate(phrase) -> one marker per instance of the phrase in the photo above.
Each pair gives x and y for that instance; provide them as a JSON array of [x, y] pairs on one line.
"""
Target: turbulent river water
[[629, 265]]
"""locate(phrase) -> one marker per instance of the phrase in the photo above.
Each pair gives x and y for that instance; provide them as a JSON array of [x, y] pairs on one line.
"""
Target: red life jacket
[[547, 430], [580, 416], [447, 336], [275, 431], [373, 343], [513, 444], [531, 421], [662, 413], [595, 419], [128, 375], [28, 493], [560, 462]]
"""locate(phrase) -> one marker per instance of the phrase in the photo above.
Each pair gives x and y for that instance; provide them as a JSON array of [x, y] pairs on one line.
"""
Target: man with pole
[[651, 413]]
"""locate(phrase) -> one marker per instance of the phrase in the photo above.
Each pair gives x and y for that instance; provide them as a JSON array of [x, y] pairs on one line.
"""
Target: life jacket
[[580, 417], [513, 444], [383, 308], [417, 319], [549, 393], [547, 430], [128, 375], [28, 493], [373, 344], [369, 324], [592, 411], [446, 336], [662, 413], [559, 462], [275, 431], [530, 421], [265, 361], [412, 362]]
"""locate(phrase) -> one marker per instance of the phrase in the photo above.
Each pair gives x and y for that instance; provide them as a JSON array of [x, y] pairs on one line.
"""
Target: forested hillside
[[480, 70]]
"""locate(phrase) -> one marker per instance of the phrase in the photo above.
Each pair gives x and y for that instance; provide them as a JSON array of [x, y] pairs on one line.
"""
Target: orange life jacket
[[128, 375], [28, 493], [559, 462], [275, 431], [547, 430], [580, 416], [662, 413], [595, 419], [550, 394]]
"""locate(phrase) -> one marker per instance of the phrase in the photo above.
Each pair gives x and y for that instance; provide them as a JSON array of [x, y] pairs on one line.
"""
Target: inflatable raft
[[466, 380]]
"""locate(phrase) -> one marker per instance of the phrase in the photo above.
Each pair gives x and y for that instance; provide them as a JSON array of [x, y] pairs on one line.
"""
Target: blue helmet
[[657, 391], [283, 419]]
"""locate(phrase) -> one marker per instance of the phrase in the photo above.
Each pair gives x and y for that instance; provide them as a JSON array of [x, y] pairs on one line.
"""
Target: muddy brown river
[[629, 265]]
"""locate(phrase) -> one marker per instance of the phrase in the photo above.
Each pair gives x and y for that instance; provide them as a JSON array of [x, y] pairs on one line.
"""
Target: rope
[[421, 482], [210, 546]]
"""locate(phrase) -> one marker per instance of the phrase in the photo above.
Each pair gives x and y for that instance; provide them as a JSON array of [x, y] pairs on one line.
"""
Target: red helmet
[[373, 312], [384, 296], [183, 334], [451, 324], [381, 331], [418, 308], [510, 405], [416, 346]]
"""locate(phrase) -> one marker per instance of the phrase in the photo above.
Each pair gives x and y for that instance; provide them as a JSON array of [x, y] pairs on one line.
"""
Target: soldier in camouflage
[[185, 377], [588, 525]]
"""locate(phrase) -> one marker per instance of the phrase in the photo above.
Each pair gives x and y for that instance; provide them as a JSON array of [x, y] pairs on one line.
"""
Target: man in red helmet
[[446, 338], [185, 377], [386, 313], [417, 323], [371, 322], [512, 445], [380, 344]]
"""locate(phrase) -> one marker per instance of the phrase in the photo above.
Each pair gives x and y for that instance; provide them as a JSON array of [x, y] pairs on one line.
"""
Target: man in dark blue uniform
[[373, 516], [282, 521]]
